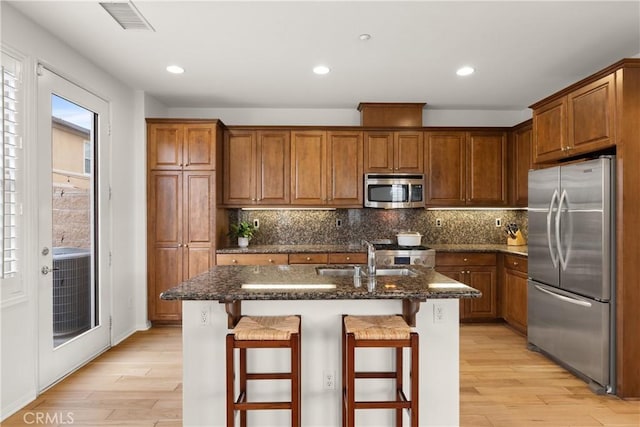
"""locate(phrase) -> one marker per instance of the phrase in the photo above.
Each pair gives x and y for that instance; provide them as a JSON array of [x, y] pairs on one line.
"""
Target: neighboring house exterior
[[71, 179]]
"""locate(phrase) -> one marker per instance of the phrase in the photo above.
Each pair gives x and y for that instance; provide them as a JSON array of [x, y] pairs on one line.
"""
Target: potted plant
[[243, 231]]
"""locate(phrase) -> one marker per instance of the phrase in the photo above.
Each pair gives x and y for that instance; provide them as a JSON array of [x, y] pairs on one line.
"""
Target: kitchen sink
[[339, 271], [287, 286], [349, 271], [395, 272]]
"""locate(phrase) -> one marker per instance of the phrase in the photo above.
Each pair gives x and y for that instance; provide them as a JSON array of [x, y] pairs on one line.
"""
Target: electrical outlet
[[438, 222], [204, 316], [256, 223], [498, 222], [438, 313], [338, 223], [329, 380]]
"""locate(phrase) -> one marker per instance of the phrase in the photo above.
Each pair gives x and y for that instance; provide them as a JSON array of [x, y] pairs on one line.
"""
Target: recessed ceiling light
[[321, 69], [365, 36], [175, 69], [465, 71]]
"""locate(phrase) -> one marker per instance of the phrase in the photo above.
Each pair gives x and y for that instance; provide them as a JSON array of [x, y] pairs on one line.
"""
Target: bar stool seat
[[379, 332], [253, 332]]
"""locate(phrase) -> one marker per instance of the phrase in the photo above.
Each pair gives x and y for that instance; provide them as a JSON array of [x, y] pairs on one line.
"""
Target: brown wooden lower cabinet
[[181, 224], [479, 271], [293, 258], [347, 258], [252, 259], [514, 292]]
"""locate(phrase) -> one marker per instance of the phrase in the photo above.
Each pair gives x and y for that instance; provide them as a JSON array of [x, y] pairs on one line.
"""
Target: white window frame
[[11, 137]]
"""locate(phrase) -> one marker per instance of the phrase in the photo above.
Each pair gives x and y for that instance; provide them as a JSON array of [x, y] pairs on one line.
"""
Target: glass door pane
[[75, 296]]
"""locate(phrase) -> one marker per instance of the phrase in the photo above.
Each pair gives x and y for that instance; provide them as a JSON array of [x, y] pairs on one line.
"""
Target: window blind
[[9, 130]]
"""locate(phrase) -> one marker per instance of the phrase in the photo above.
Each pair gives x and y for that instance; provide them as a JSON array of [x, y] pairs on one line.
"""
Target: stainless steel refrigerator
[[571, 298]]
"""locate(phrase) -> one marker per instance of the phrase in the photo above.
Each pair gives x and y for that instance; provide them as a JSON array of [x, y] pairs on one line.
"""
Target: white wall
[[146, 106], [19, 334], [346, 116]]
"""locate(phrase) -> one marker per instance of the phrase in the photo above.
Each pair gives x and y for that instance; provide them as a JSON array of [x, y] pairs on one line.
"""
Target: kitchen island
[[214, 301]]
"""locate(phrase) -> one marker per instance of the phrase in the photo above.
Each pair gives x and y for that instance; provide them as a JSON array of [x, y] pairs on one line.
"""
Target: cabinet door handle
[[179, 245], [186, 245], [234, 261], [348, 258], [270, 260], [308, 258], [515, 263], [468, 272], [465, 260]]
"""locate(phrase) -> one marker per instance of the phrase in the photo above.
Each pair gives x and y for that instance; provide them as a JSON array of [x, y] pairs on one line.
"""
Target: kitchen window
[[88, 153], [10, 175]]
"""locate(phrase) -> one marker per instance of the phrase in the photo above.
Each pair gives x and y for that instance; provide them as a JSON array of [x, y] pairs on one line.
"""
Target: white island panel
[[204, 363]]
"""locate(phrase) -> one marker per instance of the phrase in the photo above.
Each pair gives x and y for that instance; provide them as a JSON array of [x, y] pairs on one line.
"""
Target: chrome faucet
[[371, 258]]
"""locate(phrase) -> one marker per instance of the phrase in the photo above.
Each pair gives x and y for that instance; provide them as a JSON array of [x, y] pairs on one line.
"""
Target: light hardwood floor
[[138, 383]]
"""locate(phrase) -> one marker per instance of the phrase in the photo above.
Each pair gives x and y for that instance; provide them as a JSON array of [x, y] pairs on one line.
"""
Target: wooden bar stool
[[385, 332], [263, 332]]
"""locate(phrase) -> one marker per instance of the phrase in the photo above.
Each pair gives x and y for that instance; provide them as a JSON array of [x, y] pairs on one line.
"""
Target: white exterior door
[[73, 227]]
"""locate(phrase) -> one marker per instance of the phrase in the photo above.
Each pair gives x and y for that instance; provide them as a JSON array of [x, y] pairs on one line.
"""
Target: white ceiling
[[260, 54]]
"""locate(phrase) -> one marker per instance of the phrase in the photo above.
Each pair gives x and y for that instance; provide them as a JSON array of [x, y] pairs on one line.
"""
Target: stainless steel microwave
[[393, 191]]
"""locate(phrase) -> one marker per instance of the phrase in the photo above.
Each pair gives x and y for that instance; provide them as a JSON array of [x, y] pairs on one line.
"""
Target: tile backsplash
[[305, 227]]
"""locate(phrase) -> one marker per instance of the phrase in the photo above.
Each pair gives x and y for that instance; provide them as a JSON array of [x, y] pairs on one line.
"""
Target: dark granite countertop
[[225, 283], [507, 249], [286, 249]]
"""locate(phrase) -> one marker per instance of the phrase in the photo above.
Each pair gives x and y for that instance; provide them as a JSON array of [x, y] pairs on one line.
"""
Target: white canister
[[409, 238]]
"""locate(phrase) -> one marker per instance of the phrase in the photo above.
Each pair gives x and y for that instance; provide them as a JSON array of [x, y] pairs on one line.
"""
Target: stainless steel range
[[394, 254]]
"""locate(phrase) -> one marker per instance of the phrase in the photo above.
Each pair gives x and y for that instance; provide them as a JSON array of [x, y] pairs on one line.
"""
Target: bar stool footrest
[[384, 404], [269, 376], [376, 375], [257, 406]]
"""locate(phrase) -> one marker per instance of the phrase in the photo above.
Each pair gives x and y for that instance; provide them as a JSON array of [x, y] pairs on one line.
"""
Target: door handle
[[46, 270], [563, 261], [554, 259], [564, 298]]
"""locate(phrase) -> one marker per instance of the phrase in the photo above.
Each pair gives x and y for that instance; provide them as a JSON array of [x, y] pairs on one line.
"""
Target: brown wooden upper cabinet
[[393, 151], [520, 163], [181, 146], [466, 168], [256, 167], [579, 122], [326, 168]]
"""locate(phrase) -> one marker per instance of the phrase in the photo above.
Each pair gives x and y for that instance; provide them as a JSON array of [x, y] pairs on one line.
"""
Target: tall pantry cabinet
[[181, 207]]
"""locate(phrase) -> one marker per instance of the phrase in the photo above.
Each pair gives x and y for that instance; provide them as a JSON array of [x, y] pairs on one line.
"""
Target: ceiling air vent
[[127, 15]]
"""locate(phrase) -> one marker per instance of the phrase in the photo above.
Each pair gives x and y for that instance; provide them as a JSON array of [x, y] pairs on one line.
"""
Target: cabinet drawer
[[308, 258], [347, 258], [465, 258], [252, 259], [517, 263]]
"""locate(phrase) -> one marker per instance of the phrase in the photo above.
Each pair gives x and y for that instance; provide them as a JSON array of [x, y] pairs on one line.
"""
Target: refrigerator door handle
[[554, 258], [564, 298], [563, 261]]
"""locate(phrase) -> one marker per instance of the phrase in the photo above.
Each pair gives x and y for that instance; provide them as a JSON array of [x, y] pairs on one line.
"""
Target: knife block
[[517, 241]]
